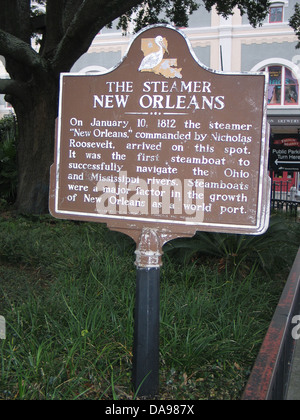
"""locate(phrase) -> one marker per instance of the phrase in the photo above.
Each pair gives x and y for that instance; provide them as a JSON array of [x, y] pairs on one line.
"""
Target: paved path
[[293, 392]]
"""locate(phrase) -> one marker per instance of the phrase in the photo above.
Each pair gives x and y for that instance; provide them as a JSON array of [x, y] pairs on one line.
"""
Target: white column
[[225, 33]]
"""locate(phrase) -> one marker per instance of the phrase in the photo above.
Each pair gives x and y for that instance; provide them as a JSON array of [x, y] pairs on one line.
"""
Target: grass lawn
[[67, 293]]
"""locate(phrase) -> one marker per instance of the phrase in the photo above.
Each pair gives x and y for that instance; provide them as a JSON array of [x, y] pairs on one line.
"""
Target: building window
[[283, 86], [276, 14]]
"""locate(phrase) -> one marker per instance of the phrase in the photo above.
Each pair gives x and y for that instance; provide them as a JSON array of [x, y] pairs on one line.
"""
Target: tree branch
[[53, 25], [12, 87], [15, 18], [87, 21], [19, 51]]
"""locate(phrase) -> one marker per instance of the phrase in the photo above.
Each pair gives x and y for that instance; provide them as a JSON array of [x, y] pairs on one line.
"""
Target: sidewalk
[[293, 392]]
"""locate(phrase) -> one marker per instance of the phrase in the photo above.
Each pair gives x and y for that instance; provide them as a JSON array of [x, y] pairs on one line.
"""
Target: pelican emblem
[[154, 59]]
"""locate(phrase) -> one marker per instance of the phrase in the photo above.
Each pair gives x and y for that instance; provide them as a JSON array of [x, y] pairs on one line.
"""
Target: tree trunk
[[36, 121]]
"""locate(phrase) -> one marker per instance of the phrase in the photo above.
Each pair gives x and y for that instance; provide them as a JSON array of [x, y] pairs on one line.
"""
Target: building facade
[[229, 45]]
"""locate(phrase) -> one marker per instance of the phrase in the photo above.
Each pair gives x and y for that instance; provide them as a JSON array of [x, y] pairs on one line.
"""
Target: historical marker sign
[[162, 142], [158, 148]]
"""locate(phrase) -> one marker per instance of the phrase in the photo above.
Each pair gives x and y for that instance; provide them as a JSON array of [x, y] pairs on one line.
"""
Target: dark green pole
[[146, 332], [146, 317]]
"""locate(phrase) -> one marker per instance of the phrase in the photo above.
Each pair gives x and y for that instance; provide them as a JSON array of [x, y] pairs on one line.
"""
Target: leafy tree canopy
[[178, 11]]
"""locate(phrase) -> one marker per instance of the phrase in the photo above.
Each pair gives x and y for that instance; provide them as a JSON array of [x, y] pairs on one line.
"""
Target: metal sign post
[[146, 333], [146, 327], [158, 148]]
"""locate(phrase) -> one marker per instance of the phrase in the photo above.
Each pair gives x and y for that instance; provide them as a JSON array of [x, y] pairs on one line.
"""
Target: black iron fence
[[284, 198]]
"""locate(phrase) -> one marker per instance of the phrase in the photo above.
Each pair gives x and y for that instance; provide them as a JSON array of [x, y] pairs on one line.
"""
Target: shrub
[[241, 252]]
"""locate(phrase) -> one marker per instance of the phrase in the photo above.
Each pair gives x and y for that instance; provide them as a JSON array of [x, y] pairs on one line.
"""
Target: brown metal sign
[[161, 142]]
